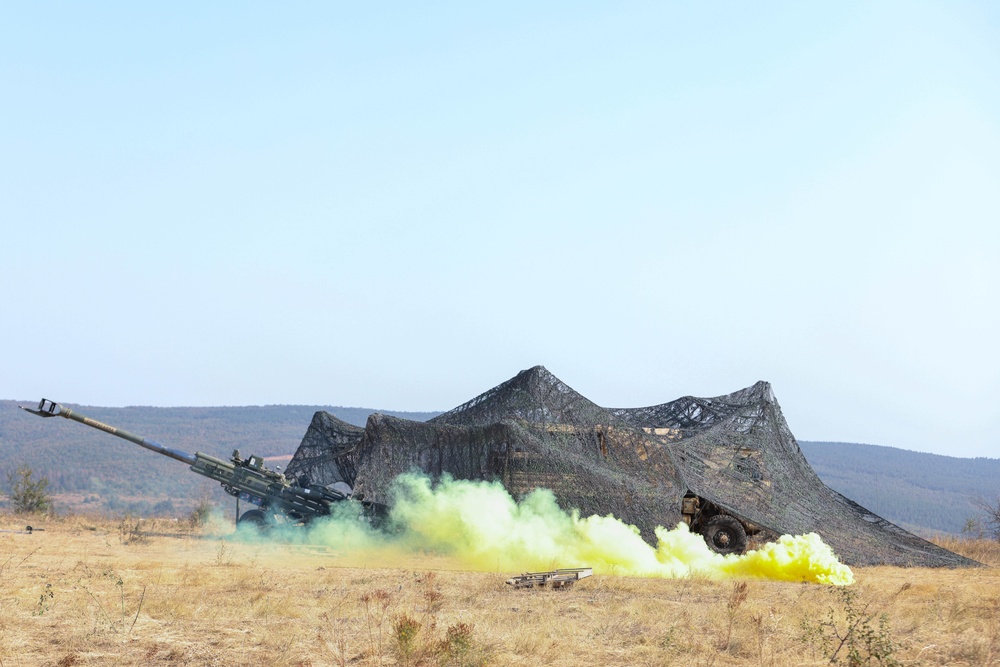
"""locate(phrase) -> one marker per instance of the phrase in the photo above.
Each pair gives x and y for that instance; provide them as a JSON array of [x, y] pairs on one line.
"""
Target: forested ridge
[[111, 474], [916, 490], [922, 492]]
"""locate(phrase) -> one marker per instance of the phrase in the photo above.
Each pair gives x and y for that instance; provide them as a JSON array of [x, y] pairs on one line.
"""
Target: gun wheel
[[725, 535], [255, 518]]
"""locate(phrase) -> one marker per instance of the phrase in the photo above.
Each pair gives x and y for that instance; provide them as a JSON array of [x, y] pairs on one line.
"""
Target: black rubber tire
[[255, 518], [725, 535]]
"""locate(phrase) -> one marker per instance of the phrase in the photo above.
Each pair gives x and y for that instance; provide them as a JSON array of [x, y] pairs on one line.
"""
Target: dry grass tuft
[[86, 593], [984, 551]]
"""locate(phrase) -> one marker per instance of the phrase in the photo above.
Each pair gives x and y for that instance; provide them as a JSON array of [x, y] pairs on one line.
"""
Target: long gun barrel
[[247, 479], [47, 408]]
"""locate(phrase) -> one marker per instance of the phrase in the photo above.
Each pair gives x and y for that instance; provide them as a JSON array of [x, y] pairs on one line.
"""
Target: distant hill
[[918, 491], [92, 470], [104, 473]]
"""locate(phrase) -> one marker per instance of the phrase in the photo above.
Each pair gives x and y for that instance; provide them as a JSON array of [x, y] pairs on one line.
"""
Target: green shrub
[[28, 495], [850, 634]]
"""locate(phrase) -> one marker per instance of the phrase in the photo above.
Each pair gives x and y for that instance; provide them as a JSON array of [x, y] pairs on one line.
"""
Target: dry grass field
[[112, 592]]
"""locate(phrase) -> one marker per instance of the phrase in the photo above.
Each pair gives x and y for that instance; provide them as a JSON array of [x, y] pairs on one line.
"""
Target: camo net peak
[[735, 451]]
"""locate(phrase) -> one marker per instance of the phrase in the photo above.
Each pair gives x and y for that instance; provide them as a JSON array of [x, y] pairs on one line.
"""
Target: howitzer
[[278, 498]]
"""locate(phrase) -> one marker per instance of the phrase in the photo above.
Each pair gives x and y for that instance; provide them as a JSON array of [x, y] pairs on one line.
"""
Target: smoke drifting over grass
[[482, 527]]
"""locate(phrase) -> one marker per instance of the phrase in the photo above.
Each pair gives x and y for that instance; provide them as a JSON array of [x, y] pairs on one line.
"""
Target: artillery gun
[[277, 498]]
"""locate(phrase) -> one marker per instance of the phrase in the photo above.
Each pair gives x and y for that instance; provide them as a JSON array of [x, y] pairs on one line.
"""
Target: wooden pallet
[[555, 578]]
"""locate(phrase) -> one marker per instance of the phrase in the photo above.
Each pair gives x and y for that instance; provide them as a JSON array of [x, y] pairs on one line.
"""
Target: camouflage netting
[[735, 451], [328, 451]]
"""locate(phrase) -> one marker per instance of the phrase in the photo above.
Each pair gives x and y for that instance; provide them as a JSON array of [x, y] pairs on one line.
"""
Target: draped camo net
[[532, 431]]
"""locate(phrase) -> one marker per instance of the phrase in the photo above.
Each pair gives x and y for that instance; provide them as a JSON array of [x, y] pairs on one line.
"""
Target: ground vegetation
[[28, 494], [110, 591]]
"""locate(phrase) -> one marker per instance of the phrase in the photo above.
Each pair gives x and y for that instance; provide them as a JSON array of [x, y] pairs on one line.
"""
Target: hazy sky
[[401, 205]]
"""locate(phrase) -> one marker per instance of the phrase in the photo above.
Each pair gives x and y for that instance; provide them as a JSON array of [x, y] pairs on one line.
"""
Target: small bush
[[200, 514], [130, 531], [851, 634], [459, 648], [989, 523], [406, 629], [28, 495]]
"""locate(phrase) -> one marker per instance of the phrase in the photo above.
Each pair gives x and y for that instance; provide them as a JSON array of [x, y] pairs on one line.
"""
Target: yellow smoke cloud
[[484, 528]]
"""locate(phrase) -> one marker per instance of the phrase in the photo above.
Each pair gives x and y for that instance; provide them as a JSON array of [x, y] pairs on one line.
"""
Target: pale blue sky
[[399, 206]]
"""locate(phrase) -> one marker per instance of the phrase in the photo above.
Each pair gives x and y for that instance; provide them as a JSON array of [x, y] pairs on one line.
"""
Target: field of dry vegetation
[[93, 591]]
